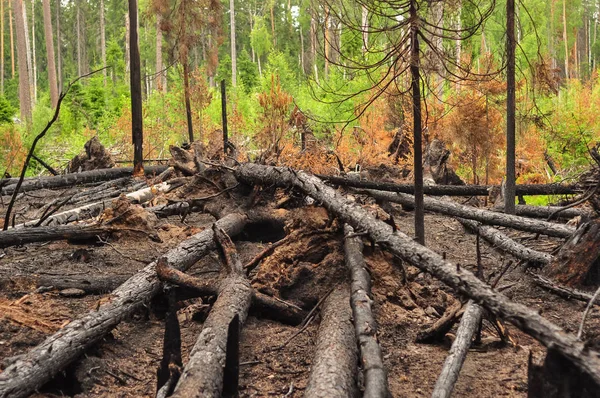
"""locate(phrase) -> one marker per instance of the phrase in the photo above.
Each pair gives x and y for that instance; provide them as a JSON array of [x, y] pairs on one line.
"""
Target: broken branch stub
[[463, 281]]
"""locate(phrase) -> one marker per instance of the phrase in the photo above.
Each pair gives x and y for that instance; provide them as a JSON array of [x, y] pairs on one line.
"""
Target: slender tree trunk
[[58, 48], [510, 189], [28, 50], [127, 49], [24, 93], [458, 41], [188, 107], [313, 45], [365, 29], [565, 39], [417, 136], [103, 39], [273, 26], [12, 41], [233, 49], [33, 57], [136, 90], [78, 30], [159, 59], [302, 58], [50, 53], [2, 46]]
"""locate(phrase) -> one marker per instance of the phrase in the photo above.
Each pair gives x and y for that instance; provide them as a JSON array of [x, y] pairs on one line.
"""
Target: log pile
[[246, 202]]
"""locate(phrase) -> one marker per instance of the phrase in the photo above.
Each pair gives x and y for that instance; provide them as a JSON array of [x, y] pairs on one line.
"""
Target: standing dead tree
[[403, 37]]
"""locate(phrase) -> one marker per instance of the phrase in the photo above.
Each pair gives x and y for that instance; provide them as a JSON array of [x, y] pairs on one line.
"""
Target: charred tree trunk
[[451, 190], [333, 371], [500, 241], [577, 262], [188, 106], [365, 326], [21, 236], [484, 216], [458, 352], [135, 78], [203, 374], [44, 361], [93, 209], [66, 180], [463, 281]]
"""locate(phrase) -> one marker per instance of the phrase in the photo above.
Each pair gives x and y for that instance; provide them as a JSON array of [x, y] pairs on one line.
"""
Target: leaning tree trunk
[[463, 281], [43, 362]]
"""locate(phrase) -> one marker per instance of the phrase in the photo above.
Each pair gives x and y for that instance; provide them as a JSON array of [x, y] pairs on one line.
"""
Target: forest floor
[[125, 362]]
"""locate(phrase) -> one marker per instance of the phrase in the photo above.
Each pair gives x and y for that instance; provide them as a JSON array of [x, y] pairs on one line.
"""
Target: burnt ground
[[124, 363]]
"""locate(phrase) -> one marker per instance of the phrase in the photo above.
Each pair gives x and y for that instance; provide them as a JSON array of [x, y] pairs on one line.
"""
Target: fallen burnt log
[[67, 180], [561, 290], [546, 211], [21, 236], [365, 326], [333, 371], [451, 190], [262, 304], [458, 352], [463, 281], [500, 241], [94, 209], [203, 375], [40, 364], [484, 216], [578, 261]]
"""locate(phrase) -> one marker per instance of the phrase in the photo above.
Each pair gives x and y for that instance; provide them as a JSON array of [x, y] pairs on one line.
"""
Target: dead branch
[[561, 290], [458, 352]]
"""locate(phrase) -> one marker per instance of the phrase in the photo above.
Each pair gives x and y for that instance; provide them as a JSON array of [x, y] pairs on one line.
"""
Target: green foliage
[[7, 112]]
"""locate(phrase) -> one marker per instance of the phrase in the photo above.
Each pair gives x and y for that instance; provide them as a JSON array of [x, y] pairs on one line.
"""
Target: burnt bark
[[21, 236], [365, 326], [577, 262], [44, 361], [203, 374], [463, 281], [333, 371], [31, 184], [561, 290], [458, 352], [546, 211], [93, 209], [487, 217], [451, 190], [500, 241], [90, 284]]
